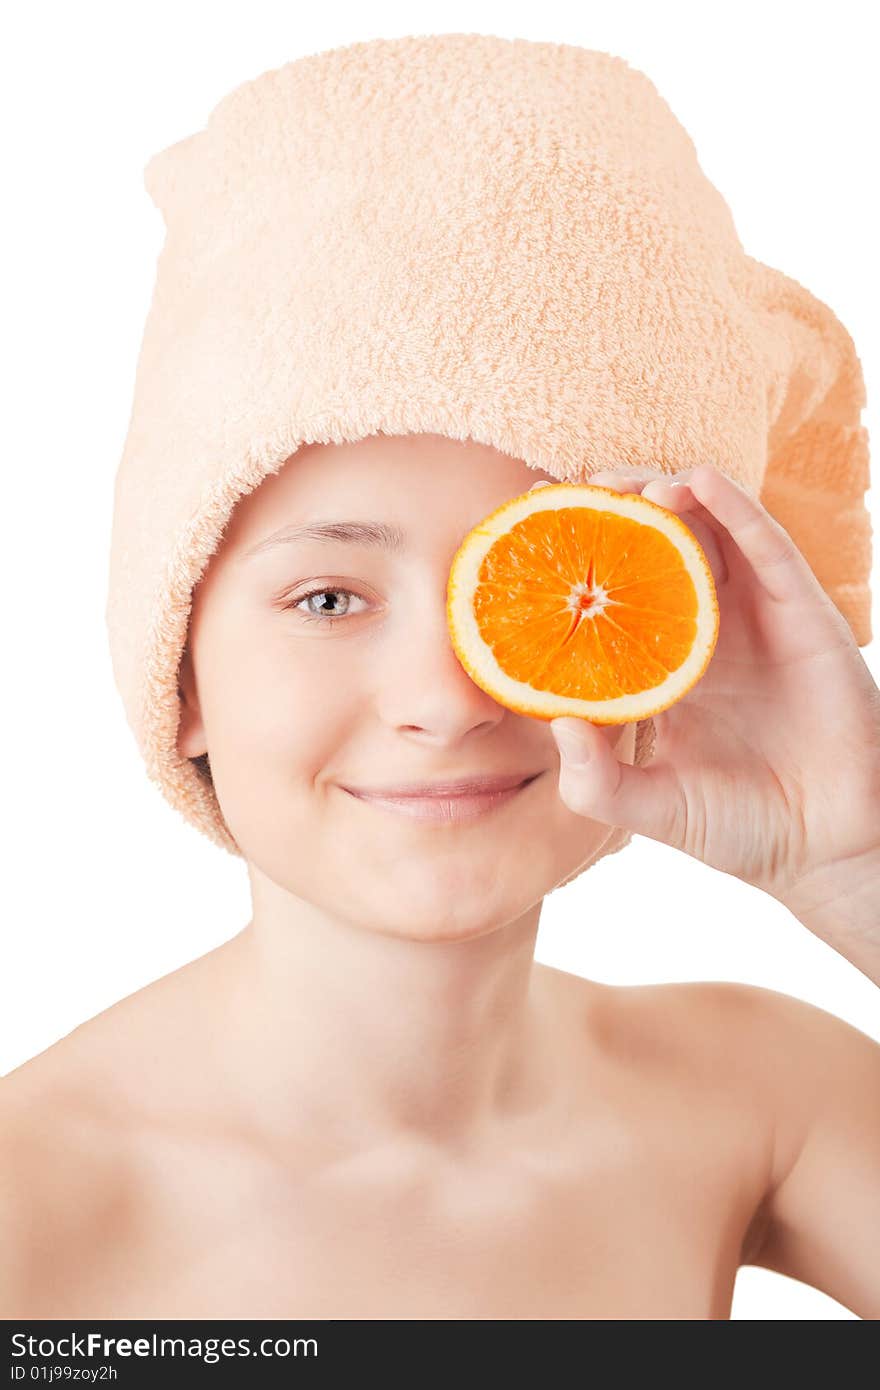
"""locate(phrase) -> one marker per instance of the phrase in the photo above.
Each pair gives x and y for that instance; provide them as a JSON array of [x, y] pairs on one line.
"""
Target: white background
[[104, 887]]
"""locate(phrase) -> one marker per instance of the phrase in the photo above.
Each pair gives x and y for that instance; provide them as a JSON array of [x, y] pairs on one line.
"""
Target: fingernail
[[571, 744]]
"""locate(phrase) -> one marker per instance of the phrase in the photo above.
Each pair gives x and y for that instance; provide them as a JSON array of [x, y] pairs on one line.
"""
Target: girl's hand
[[769, 767]]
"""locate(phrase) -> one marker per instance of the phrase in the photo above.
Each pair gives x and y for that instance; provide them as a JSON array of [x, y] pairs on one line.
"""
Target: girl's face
[[296, 699]]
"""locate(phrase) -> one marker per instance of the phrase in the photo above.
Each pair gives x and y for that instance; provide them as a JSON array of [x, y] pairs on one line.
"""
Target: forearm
[[842, 907]]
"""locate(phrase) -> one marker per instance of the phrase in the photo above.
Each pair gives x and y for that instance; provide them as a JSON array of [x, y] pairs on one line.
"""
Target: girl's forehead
[[386, 472]]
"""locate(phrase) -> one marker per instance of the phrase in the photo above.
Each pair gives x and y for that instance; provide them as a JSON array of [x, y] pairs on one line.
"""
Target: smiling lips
[[464, 786], [450, 806]]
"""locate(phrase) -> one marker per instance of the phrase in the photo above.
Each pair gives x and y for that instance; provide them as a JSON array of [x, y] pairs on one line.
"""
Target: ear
[[191, 742]]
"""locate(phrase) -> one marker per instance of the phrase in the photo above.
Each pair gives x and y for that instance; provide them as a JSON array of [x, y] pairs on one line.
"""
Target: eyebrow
[[363, 533]]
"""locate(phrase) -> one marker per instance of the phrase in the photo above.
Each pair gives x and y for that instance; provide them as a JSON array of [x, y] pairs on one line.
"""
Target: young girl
[[372, 1102]]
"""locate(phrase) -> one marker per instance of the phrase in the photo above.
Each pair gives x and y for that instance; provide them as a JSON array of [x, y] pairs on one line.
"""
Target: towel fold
[[496, 239]]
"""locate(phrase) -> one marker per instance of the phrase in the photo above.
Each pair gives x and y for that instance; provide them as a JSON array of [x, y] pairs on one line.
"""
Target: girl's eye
[[328, 614]]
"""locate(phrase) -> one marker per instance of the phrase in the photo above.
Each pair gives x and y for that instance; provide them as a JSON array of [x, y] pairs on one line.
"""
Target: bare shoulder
[[818, 1078], [787, 1050], [703, 1041], [704, 1027], [750, 1025], [792, 1052], [70, 1122], [75, 1124], [819, 1074], [732, 1071], [59, 1175], [795, 1067]]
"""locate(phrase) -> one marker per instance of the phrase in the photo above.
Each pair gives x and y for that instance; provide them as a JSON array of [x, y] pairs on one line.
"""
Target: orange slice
[[574, 599]]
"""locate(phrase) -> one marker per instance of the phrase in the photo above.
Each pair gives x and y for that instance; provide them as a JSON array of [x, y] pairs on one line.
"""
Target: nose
[[426, 687]]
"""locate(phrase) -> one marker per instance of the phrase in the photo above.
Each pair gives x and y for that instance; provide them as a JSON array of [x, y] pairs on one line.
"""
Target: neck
[[360, 1037]]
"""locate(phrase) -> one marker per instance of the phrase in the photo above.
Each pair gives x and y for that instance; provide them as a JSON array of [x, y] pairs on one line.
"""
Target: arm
[[821, 1219], [841, 905]]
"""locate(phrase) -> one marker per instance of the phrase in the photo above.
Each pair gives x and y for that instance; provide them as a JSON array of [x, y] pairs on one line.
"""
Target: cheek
[[275, 710], [280, 730], [299, 714]]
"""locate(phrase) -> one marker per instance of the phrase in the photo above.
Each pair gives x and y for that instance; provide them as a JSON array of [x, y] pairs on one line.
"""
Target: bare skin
[[632, 1188], [371, 1102]]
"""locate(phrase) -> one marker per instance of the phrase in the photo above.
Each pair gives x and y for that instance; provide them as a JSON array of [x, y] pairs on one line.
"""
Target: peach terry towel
[[487, 238]]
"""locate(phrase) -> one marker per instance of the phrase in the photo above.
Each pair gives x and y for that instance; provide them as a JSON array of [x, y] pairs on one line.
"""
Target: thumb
[[594, 782]]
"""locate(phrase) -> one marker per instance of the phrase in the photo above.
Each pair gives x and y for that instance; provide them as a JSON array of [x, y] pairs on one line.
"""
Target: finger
[[647, 801], [677, 497], [542, 483], [622, 482], [778, 565]]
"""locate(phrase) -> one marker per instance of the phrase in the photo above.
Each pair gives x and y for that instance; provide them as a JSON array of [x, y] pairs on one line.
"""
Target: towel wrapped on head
[[492, 239]]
